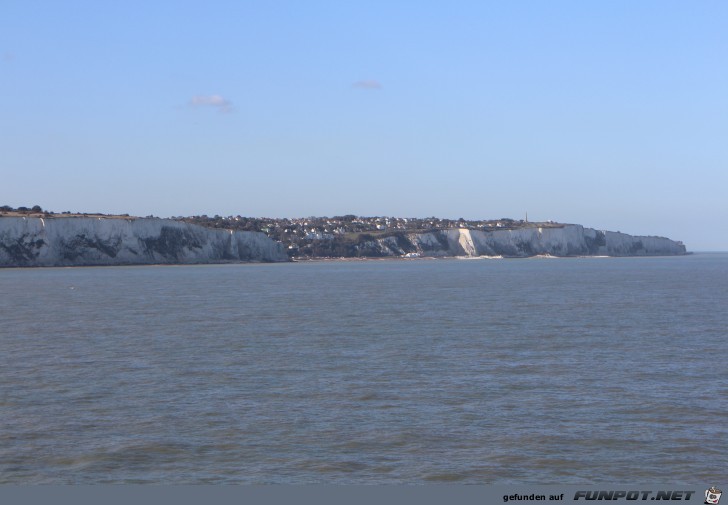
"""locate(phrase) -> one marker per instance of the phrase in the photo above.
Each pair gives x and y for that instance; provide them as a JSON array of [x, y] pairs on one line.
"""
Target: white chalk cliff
[[71, 241], [567, 240]]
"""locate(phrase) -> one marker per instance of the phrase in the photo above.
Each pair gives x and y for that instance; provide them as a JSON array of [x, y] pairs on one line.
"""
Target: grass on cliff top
[[47, 215]]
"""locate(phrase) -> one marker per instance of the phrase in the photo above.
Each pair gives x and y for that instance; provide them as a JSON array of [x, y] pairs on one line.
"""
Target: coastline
[[84, 241], [349, 260]]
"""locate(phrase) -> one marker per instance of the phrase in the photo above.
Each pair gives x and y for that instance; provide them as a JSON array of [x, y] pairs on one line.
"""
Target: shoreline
[[353, 260]]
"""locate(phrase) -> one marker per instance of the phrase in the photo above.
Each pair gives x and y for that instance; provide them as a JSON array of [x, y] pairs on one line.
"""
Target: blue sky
[[613, 114]]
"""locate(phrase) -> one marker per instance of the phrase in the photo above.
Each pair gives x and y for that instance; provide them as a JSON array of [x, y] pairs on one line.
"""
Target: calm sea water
[[485, 371]]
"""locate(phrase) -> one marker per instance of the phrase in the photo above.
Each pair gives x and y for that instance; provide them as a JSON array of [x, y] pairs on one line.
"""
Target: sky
[[611, 114]]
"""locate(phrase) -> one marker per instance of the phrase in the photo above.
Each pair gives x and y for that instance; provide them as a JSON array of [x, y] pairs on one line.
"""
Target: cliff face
[[569, 240], [74, 241]]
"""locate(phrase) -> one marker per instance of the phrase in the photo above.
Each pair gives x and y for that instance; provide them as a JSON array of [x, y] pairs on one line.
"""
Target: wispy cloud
[[368, 84], [8, 56], [214, 101]]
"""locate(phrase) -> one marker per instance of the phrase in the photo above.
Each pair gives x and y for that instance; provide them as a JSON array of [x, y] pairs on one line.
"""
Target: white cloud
[[215, 101], [368, 84]]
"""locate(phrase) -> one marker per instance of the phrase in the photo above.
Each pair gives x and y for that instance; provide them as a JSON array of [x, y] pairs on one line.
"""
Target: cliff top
[[37, 211], [301, 226]]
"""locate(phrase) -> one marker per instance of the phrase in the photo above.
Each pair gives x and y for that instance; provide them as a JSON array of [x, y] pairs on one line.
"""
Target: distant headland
[[36, 237]]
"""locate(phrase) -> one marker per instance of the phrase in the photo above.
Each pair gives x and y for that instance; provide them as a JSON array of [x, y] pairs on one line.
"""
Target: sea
[[482, 371]]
